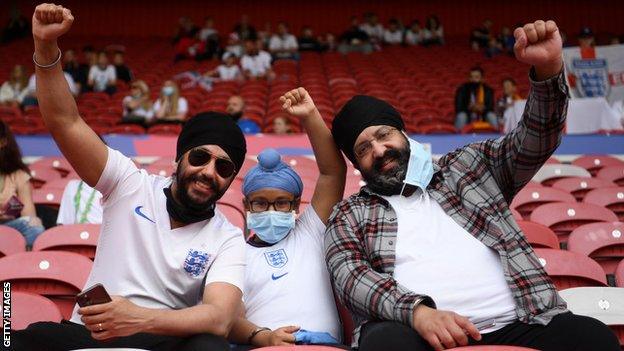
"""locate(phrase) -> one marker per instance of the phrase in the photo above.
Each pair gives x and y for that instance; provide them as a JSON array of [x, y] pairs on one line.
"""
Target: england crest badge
[[592, 77], [277, 258], [195, 262]]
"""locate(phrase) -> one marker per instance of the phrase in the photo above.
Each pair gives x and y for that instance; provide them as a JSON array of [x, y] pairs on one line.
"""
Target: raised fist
[[298, 102], [50, 21], [539, 44]]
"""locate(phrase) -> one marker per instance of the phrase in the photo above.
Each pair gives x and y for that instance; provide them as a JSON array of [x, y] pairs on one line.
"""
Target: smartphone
[[94, 295]]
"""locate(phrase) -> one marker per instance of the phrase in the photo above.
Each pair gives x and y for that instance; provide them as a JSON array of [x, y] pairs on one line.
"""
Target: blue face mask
[[419, 167], [271, 226], [167, 91]]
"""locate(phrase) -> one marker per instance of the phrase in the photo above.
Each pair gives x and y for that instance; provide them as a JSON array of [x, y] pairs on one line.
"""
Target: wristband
[[50, 65]]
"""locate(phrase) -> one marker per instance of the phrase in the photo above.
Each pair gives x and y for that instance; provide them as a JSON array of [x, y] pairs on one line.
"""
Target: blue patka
[[195, 262], [277, 258]]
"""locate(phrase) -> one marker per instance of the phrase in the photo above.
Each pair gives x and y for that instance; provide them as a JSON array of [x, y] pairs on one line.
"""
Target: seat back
[[12, 241], [601, 241], [611, 198], [78, 238], [569, 269], [528, 199], [27, 308], [538, 235]]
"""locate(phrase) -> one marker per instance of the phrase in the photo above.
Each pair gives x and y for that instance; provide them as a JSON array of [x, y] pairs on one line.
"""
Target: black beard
[[186, 200], [390, 182]]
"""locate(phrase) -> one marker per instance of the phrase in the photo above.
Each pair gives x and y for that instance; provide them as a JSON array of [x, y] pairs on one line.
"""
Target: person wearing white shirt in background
[[228, 70], [80, 204], [14, 90], [283, 45], [137, 107], [256, 64], [414, 35], [102, 77], [433, 33], [372, 27], [170, 106], [394, 34], [288, 297], [172, 263]]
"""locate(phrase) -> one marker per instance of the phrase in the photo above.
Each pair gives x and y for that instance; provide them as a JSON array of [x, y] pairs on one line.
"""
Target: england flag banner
[[596, 72]]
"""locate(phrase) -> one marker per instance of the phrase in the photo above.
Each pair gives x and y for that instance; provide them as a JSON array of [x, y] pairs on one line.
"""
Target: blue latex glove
[[307, 337]]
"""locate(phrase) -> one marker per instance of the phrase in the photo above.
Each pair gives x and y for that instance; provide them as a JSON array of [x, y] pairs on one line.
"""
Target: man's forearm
[[188, 321]]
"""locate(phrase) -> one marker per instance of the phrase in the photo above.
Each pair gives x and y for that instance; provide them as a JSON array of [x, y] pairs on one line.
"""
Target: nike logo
[[276, 277], [137, 210]]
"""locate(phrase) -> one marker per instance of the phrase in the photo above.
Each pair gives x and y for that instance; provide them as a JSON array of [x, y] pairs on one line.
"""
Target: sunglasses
[[200, 157]]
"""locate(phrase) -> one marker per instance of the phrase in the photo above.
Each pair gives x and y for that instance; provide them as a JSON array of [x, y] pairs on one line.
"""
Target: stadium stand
[[78, 238], [603, 242], [611, 198], [27, 308], [529, 198], [568, 269], [539, 236], [12, 241], [578, 187]]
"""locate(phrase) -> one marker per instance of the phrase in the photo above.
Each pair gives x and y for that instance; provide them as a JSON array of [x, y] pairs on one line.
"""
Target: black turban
[[213, 128], [359, 113]]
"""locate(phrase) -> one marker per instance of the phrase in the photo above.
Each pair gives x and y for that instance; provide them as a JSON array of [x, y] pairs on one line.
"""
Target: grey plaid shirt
[[474, 185]]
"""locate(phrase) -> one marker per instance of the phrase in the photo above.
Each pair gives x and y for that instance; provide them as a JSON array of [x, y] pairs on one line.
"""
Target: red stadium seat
[[594, 163], [78, 238], [127, 129], [563, 218], [611, 198], [49, 197], [619, 274], [165, 129], [529, 198], [539, 236], [27, 308], [578, 187], [55, 274], [569, 269], [41, 175], [60, 164], [12, 241], [161, 169], [612, 173], [601, 241], [549, 173], [233, 214]]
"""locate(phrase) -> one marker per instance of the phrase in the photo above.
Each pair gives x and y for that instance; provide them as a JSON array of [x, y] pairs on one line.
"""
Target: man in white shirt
[[256, 63], [288, 296], [394, 34], [283, 45], [102, 77], [173, 265], [32, 85], [80, 204], [372, 27]]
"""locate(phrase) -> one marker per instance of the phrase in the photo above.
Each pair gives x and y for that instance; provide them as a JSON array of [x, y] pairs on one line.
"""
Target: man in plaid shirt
[[427, 255]]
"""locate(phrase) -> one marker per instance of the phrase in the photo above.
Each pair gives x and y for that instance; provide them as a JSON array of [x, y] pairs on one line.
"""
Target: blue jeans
[[30, 232]]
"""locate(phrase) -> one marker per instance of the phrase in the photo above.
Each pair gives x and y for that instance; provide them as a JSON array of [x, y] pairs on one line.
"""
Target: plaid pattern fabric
[[474, 185]]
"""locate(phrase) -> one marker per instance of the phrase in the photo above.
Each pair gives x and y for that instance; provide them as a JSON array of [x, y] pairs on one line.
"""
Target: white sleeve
[[32, 84], [92, 73], [112, 73], [274, 43], [67, 210], [292, 42], [310, 224], [182, 105], [246, 63], [229, 265], [120, 177]]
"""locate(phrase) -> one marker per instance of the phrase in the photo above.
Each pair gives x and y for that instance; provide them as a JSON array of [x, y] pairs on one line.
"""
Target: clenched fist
[[50, 21], [298, 102], [539, 44]]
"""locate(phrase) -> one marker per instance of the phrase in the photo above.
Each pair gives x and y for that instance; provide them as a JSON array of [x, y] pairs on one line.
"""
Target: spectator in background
[[14, 90], [510, 95], [474, 101], [494, 48], [433, 34], [244, 30], [328, 42], [103, 77], [480, 36], [76, 70], [121, 69], [80, 204], [186, 29], [31, 98], [355, 40], [210, 37], [265, 34], [170, 107], [236, 108], [373, 28], [234, 45], [507, 40], [281, 126], [283, 45], [414, 35], [228, 70], [17, 209], [256, 64], [586, 38], [307, 40], [137, 107], [394, 34]]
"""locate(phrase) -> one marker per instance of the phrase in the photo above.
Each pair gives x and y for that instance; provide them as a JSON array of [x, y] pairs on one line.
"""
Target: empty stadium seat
[[78, 238], [60, 164], [27, 308], [11, 241], [570, 269], [612, 173], [538, 235], [48, 197], [594, 163], [604, 304], [529, 198], [611, 198], [619, 275], [39, 176], [603, 242], [549, 173], [55, 274], [563, 218], [578, 187]]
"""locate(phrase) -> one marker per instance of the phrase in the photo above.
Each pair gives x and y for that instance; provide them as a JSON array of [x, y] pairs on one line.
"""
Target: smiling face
[[200, 186], [382, 154]]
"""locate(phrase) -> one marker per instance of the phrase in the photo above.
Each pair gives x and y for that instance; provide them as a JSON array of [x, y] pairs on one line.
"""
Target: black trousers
[[65, 336], [566, 332]]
